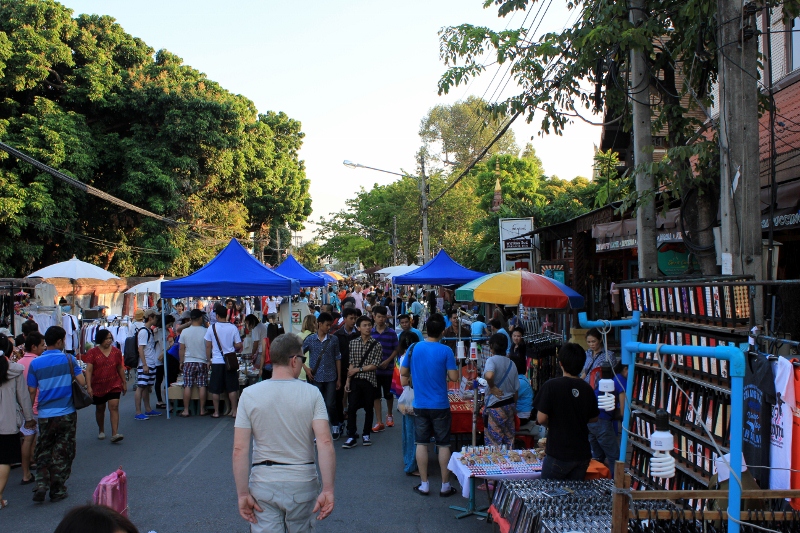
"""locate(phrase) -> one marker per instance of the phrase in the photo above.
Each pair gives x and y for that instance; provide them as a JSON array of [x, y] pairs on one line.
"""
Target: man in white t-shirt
[[221, 338], [260, 350], [283, 490], [148, 361], [194, 362]]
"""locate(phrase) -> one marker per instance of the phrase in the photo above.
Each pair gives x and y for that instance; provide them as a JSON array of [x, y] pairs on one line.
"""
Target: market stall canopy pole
[[520, 287]]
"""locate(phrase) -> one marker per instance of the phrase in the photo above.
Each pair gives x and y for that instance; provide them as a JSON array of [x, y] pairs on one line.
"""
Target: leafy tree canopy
[[83, 96]]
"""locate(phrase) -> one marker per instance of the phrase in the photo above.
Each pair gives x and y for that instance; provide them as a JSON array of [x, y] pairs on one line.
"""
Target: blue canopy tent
[[441, 270], [233, 272], [294, 270]]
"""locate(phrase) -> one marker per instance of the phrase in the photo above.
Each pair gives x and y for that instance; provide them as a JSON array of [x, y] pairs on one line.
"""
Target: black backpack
[[130, 350]]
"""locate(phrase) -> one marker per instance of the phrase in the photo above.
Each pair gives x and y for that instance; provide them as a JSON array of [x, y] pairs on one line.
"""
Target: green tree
[[456, 134], [83, 96], [553, 71]]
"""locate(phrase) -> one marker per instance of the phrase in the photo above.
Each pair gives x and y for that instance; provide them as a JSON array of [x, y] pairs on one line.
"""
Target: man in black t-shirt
[[566, 405]]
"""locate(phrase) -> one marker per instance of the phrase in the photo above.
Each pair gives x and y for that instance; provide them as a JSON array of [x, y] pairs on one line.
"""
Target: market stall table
[[597, 470]]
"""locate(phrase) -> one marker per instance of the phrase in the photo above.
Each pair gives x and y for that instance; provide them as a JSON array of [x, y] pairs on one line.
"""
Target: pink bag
[[112, 491]]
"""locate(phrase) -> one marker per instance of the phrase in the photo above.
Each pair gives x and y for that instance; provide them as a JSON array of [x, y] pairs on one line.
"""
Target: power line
[[82, 186]]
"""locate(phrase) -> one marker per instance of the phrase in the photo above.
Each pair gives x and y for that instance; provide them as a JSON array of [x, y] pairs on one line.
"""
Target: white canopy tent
[[153, 286]]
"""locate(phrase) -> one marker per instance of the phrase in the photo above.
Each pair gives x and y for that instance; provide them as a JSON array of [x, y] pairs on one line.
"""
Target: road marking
[[184, 463]]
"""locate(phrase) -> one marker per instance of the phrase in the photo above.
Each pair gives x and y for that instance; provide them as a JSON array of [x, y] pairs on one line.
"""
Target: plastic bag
[[405, 404]]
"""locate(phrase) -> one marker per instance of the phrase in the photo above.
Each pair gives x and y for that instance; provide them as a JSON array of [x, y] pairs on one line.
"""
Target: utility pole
[[643, 153], [423, 191], [738, 138], [394, 240]]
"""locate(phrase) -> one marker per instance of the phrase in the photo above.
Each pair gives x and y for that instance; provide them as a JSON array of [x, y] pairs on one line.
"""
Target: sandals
[[206, 413], [215, 415], [161, 406], [184, 415], [420, 492], [30, 480], [448, 493]]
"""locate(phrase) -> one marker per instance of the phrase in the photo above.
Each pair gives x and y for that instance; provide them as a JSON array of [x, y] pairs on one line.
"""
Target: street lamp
[[423, 191]]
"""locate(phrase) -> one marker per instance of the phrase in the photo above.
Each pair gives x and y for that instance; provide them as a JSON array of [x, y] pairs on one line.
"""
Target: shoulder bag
[[80, 396], [231, 359]]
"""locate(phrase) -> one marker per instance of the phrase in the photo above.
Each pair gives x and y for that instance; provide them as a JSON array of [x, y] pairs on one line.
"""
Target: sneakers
[[378, 428], [39, 495], [389, 421], [351, 442], [366, 441], [153, 413], [335, 433], [141, 417], [58, 498], [116, 438], [101, 436]]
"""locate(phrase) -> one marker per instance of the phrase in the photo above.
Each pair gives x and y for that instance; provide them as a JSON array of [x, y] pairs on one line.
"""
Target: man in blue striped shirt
[[49, 374]]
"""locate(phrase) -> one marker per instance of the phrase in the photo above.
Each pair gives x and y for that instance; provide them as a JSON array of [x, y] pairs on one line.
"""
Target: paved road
[[180, 480]]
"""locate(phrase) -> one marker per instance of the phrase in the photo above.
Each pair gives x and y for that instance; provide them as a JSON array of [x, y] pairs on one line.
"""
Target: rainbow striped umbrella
[[513, 288]]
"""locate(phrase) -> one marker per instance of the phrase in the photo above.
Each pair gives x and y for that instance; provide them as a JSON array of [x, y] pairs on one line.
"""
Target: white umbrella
[[74, 269], [148, 286]]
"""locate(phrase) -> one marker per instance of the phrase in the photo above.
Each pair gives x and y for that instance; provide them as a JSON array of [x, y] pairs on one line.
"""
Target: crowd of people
[[342, 363]]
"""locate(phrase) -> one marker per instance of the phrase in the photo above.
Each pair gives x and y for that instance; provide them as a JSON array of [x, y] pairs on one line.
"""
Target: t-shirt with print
[[228, 336], [781, 439], [504, 371], [569, 404], [193, 338], [146, 338], [50, 374], [429, 363], [759, 397], [284, 435]]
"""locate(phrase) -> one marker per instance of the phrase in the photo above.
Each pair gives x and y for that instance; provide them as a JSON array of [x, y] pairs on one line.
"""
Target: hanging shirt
[[795, 474], [780, 453], [759, 397]]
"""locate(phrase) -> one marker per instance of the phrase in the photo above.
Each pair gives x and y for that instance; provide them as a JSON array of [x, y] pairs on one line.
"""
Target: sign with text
[[516, 245]]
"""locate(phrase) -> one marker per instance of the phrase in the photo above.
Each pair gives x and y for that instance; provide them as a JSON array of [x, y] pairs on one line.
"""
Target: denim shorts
[[433, 423]]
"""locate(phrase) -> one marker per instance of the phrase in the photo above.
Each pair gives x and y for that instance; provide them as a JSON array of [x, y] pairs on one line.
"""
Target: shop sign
[[782, 221], [631, 242], [673, 259], [518, 243]]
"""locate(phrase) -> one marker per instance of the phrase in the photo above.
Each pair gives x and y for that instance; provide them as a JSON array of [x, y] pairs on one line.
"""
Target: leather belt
[[274, 463]]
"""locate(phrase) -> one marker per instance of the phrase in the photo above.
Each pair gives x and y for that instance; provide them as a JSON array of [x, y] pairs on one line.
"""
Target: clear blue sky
[[358, 74]]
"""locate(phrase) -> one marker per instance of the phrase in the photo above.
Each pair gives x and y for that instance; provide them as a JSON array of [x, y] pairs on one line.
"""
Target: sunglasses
[[302, 358]]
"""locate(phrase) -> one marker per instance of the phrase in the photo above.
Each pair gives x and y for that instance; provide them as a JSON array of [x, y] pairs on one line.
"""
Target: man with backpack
[[146, 369]]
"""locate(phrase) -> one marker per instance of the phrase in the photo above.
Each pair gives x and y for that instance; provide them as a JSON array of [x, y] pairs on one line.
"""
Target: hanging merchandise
[[759, 397], [781, 440]]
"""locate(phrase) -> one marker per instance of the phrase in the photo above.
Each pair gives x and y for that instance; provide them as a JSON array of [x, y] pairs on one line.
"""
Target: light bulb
[[606, 401], [662, 464]]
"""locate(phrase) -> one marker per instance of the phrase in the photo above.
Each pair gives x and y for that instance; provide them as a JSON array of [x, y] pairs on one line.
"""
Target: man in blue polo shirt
[[49, 374], [405, 325]]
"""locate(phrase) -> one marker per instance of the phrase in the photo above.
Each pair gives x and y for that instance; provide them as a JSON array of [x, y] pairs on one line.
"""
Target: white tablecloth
[[463, 474]]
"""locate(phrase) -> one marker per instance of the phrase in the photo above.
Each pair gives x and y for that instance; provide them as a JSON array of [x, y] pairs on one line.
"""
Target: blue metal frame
[[736, 357]]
